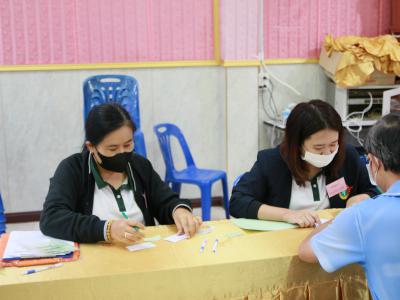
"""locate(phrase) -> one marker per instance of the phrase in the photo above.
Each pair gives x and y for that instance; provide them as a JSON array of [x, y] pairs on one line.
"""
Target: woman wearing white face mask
[[312, 169]]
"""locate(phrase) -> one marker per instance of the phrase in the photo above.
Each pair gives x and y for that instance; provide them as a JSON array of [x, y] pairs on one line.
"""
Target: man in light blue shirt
[[367, 233]]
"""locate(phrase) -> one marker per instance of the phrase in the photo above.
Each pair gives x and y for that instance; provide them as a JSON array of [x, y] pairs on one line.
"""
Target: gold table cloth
[[255, 265]]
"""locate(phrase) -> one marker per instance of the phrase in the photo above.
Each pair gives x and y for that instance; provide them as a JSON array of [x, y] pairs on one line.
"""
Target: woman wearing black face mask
[[107, 192]]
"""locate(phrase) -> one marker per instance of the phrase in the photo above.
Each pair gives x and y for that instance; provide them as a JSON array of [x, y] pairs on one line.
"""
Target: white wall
[[41, 123], [217, 109], [308, 79], [242, 121]]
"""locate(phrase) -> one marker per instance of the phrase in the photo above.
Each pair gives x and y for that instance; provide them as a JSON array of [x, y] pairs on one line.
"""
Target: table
[[261, 265]]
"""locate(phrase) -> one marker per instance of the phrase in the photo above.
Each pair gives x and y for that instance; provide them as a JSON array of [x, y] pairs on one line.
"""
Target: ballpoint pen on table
[[203, 245], [214, 249], [32, 271]]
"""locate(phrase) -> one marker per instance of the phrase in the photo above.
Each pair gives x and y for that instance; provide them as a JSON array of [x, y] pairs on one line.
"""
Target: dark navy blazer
[[270, 182]]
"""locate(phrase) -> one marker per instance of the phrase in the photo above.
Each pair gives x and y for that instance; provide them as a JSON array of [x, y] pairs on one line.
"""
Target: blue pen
[[43, 269], [214, 249], [203, 245]]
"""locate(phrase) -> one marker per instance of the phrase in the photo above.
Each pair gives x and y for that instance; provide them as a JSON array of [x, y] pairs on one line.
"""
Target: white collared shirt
[[106, 208], [302, 196]]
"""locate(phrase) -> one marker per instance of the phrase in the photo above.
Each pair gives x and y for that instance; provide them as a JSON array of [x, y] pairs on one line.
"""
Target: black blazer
[[67, 211], [270, 182]]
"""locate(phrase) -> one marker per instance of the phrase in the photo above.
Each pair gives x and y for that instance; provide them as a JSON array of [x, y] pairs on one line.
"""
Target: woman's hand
[[186, 222], [122, 231], [304, 218]]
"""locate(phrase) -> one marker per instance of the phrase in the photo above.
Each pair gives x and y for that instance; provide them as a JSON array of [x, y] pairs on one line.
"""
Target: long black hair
[[104, 119]]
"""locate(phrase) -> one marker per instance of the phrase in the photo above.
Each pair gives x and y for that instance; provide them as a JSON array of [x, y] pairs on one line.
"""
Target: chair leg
[[225, 196], [2, 218], [206, 202], [176, 187]]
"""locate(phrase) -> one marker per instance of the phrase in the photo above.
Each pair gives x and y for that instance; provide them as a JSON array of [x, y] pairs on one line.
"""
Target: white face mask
[[318, 160], [372, 177]]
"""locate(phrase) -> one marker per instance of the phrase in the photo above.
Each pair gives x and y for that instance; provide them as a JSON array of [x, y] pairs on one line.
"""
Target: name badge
[[336, 187]]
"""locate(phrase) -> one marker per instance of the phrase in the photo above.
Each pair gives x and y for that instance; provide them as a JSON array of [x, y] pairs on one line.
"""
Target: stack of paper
[[33, 244]]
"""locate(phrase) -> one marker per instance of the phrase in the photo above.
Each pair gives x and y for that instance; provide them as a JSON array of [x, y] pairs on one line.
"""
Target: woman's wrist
[[267, 212], [108, 230]]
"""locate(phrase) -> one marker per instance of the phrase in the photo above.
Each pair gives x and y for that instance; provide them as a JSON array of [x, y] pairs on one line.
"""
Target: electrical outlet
[[262, 80]]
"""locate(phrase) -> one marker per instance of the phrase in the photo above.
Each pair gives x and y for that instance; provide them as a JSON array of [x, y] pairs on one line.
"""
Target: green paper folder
[[252, 224]]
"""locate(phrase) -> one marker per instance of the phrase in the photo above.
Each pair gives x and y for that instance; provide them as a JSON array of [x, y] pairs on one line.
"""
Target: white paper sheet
[[152, 238], [176, 238], [322, 221], [142, 246], [206, 230]]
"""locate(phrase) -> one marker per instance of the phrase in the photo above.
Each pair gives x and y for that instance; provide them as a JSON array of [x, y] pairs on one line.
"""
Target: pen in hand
[[136, 228]]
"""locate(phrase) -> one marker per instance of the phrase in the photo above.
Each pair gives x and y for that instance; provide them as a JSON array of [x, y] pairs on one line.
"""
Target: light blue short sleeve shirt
[[367, 234]]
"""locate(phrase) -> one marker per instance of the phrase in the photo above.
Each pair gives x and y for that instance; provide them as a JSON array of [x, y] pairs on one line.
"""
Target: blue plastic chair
[[235, 182], [2, 217], [120, 89], [203, 178]]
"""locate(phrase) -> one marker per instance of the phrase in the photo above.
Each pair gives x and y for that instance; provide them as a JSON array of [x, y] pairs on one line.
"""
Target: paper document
[[322, 221], [176, 238], [152, 238], [262, 225], [33, 244], [141, 246], [206, 229]]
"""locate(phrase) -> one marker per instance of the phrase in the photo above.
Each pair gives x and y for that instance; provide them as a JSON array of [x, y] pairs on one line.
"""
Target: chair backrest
[[120, 89], [2, 217], [164, 133], [235, 182]]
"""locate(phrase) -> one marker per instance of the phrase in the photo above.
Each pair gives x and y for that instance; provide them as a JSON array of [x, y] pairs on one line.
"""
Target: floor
[[217, 213]]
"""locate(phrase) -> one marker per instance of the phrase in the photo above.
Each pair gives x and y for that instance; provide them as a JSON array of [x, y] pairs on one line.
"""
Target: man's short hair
[[383, 141]]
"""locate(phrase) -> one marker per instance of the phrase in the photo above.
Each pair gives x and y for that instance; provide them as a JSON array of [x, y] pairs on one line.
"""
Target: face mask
[[318, 160], [116, 163], [372, 177]]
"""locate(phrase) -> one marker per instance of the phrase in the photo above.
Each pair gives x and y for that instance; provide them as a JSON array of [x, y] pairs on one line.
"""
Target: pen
[[215, 245], [42, 269], [203, 245], [126, 217]]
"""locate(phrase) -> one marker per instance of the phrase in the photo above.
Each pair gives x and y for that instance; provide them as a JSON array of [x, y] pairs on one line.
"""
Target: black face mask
[[116, 163]]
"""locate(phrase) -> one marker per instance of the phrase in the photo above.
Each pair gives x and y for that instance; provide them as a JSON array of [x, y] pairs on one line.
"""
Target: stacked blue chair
[[120, 89], [2, 217], [203, 178]]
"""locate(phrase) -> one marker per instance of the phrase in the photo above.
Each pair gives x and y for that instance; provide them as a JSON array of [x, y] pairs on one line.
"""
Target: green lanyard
[[118, 197], [122, 209], [117, 193]]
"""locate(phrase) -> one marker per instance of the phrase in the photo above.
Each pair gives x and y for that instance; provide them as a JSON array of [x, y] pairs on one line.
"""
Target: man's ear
[[379, 164], [376, 161]]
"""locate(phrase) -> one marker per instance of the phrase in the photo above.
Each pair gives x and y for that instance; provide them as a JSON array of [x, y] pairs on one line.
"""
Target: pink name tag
[[336, 187]]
